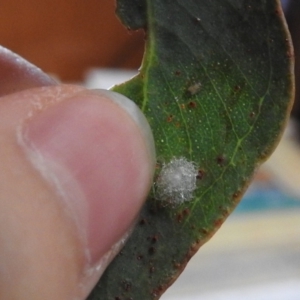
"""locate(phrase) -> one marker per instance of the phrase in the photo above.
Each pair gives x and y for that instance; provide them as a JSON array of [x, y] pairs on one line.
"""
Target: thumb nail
[[99, 155]]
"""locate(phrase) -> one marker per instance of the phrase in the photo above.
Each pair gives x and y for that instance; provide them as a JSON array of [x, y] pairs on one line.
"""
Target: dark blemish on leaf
[[200, 175], [139, 257], [117, 298], [179, 217], [194, 88], [177, 124], [192, 104], [237, 88], [189, 255], [277, 12], [182, 106], [204, 231], [160, 288], [154, 239], [177, 265], [252, 114], [177, 73], [126, 286], [186, 212], [264, 155], [236, 195], [157, 291], [194, 247], [221, 160], [143, 222], [151, 250], [218, 222], [225, 210], [170, 118]]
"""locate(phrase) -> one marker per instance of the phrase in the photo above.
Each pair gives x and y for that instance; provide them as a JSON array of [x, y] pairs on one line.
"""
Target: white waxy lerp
[[177, 181]]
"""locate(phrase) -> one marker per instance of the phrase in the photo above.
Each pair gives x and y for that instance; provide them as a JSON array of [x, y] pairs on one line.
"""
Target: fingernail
[[99, 154]]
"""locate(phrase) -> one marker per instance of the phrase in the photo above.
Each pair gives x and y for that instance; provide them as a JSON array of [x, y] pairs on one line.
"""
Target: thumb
[[76, 167]]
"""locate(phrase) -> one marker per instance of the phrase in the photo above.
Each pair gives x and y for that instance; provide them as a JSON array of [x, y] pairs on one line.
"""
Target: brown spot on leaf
[[252, 114], [204, 231], [177, 73], [177, 265], [218, 222], [192, 104], [170, 118], [143, 222], [186, 211], [237, 195], [154, 239], [237, 88], [157, 291], [179, 217], [200, 174], [194, 247], [221, 160]]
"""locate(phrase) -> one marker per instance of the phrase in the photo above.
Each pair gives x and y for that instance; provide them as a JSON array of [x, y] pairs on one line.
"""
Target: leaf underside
[[216, 86]]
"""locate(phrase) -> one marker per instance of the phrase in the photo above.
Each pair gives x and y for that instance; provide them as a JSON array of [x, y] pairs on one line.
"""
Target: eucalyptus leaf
[[216, 85]]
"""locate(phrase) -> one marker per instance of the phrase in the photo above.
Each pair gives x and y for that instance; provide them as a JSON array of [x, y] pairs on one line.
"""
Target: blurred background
[[256, 253], [67, 37]]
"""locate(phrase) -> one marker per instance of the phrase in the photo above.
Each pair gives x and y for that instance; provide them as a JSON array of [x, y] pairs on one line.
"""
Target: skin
[[61, 226]]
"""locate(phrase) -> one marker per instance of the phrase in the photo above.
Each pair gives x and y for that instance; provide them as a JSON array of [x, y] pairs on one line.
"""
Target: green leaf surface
[[216, 86]]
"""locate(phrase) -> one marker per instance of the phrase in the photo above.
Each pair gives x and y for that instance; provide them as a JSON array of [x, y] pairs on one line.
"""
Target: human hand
[[75, 169]]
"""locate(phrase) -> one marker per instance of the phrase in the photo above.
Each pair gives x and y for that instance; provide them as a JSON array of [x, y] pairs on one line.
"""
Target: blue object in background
[[266, 198], [285, 4]]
